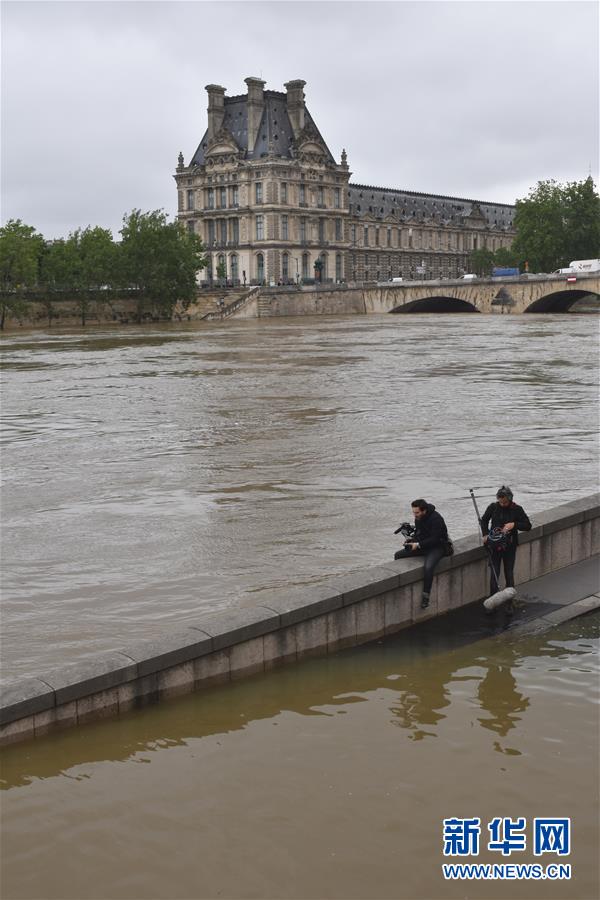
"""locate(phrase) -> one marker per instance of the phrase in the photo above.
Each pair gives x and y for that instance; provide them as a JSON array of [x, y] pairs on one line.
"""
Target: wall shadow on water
[[418, 667]]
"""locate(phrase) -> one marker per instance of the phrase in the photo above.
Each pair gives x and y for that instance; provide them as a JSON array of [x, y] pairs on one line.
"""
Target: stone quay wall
[[333, 300], [316, 620]]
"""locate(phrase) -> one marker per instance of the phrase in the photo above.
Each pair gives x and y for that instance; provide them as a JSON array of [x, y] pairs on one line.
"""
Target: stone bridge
[[527, 293]]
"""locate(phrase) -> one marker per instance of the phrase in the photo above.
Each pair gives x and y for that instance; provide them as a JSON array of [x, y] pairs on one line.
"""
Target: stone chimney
[[295, 104], [256, 105], [216, 108]]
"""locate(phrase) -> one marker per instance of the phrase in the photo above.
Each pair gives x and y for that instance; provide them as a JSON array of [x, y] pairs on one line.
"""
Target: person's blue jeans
[[432, 558]]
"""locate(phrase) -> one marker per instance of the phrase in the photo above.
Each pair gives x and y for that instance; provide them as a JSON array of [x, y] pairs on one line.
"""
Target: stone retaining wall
[[234, 643], [312, 302]]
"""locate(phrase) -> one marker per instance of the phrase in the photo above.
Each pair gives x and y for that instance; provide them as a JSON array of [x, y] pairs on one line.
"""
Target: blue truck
[[504, 272]]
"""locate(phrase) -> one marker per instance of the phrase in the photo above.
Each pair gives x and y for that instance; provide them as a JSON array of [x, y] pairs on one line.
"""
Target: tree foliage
[[159, 259], [98, 256], [557, 223], [221, 272], [20, 251], [60, 266], [84, 266], [506, 256], [481, 262], [156, 261]]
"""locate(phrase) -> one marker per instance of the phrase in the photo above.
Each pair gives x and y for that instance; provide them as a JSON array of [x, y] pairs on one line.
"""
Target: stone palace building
[[272, 205]]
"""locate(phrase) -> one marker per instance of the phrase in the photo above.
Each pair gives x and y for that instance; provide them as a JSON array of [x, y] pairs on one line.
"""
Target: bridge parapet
[[515, 294]]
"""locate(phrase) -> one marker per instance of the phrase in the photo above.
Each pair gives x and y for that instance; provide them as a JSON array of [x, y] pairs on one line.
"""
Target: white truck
[[579, 266], [585, 265]]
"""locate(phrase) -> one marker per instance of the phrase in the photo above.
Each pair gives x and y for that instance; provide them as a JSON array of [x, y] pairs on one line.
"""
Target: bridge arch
[[559, 301], [436, 304]]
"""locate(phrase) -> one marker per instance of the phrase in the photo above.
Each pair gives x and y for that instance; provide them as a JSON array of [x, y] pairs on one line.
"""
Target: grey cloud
[[471, 99]]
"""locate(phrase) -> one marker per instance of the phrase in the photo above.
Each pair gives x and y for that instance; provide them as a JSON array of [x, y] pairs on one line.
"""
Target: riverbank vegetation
[[555, 224], [155, 262]]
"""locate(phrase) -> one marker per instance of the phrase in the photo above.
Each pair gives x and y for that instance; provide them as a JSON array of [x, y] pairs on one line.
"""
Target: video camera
[[406, 529]]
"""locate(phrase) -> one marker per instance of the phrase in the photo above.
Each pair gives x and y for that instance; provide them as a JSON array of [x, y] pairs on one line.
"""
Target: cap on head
[[504, 491]]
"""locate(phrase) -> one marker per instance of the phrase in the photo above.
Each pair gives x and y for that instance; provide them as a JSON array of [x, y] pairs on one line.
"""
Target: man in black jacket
[[430, 540], [500, 525]]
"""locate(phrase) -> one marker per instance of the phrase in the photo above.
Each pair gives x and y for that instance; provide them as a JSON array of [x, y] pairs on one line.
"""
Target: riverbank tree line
[[155, 263], [555, 224]]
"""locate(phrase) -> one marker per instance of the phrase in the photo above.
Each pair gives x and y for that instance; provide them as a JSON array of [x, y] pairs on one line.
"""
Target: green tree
[[61, 266], [222, 272], [60, 272], [81, 267], [20, 251], [582, 220], [481, 261], [98, 253], [505, 256], [159, 260], [557, 223], [98, 266]]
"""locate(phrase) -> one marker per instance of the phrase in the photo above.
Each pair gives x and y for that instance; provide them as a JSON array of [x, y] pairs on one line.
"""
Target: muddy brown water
[[328, 779], [151, 474]]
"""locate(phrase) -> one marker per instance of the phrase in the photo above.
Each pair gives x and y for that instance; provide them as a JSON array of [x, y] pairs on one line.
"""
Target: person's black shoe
[[424, 601]]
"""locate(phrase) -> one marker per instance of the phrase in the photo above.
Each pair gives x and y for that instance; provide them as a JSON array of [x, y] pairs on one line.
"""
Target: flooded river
[[328, 779], [153, 473]]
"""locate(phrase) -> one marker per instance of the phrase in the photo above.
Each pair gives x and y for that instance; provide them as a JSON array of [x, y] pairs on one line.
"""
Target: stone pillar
[[216, 108], [256, 104], [295, 104]]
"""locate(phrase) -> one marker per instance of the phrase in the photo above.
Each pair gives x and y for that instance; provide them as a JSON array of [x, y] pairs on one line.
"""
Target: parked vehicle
[[505, 271], [585, 265], [469, 277]]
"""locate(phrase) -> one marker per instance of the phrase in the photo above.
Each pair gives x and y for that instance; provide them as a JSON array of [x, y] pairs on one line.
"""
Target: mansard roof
[[275, 134], [366, 199]]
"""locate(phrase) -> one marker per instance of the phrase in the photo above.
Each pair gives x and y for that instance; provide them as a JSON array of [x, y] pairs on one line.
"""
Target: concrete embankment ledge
[[315, 620]]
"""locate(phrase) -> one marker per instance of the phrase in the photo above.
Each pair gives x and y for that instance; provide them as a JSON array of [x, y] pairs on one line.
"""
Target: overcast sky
[[471, 99]]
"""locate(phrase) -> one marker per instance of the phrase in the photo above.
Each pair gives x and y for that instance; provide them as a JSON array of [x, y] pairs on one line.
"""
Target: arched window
[[338, 267], [234, 263], [260, 268], [285, 266], [305, 265]]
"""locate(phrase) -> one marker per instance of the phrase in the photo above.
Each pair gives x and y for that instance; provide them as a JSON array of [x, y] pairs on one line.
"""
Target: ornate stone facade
[[272, 205]]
